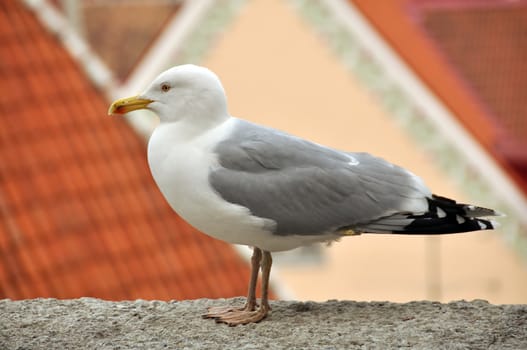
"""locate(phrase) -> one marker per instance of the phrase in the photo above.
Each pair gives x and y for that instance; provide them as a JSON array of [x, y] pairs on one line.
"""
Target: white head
[[182, 92]]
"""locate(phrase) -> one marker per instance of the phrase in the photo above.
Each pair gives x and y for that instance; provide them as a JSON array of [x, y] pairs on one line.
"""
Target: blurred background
[[438, 87]]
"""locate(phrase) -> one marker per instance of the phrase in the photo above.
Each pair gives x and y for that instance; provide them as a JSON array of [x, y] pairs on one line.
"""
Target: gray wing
[[307, 188]]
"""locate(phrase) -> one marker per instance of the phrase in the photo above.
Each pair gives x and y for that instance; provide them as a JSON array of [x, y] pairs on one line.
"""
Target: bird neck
[[193, 126]]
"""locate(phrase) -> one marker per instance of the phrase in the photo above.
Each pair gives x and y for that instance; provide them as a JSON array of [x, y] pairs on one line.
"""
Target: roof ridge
[[96, 70], [166, 45]]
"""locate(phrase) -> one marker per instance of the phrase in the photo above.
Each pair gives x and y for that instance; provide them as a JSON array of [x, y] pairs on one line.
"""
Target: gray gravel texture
[[89, 323]]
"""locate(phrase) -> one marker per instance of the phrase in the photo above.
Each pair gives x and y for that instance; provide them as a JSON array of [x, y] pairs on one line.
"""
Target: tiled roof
[[471, 88], [486, 44], [79, 212], [121, 31]]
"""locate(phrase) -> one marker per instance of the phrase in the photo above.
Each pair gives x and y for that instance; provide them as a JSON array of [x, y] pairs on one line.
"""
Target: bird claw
[[243, 317], [236, 316], [220, 311]]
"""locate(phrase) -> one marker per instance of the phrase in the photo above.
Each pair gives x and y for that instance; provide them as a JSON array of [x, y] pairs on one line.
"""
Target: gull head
[[181, 92]]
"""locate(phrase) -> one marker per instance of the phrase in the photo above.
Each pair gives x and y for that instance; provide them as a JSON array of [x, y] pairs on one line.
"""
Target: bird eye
[[165, 87]]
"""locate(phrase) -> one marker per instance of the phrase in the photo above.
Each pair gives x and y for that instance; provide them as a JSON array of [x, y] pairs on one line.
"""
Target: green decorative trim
[[199, 42], [360, 62]]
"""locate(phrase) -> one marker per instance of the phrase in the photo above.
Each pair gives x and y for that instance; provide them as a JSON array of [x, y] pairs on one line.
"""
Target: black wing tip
[[468, 210], [430, 226], [446, 216]]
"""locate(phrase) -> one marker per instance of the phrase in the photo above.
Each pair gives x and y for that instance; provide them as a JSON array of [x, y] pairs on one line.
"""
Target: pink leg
[[249, 313]]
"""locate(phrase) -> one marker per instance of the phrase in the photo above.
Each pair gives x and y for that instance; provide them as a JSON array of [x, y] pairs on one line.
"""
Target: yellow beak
[[125, 105]]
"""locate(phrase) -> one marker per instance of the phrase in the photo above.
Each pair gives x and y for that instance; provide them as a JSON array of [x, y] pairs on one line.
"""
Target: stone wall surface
[[89, 323]]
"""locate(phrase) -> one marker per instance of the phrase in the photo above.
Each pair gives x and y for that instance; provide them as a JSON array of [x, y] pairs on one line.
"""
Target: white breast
[[180, 165]]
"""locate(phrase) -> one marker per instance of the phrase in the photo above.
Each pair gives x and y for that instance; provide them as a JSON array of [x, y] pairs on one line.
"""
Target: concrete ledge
[[89, 323]]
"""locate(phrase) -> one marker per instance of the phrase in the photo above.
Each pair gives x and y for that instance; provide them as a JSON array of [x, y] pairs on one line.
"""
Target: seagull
[[252, 185]]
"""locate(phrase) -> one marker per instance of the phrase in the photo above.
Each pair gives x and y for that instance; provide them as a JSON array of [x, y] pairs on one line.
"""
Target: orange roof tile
[[404, 23], [122, 31], [80, 214], [486, 45]]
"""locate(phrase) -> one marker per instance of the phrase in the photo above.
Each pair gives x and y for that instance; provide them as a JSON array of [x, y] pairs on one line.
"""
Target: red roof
[[80, 214], [471, 54], [486, 45], [122, 31]]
